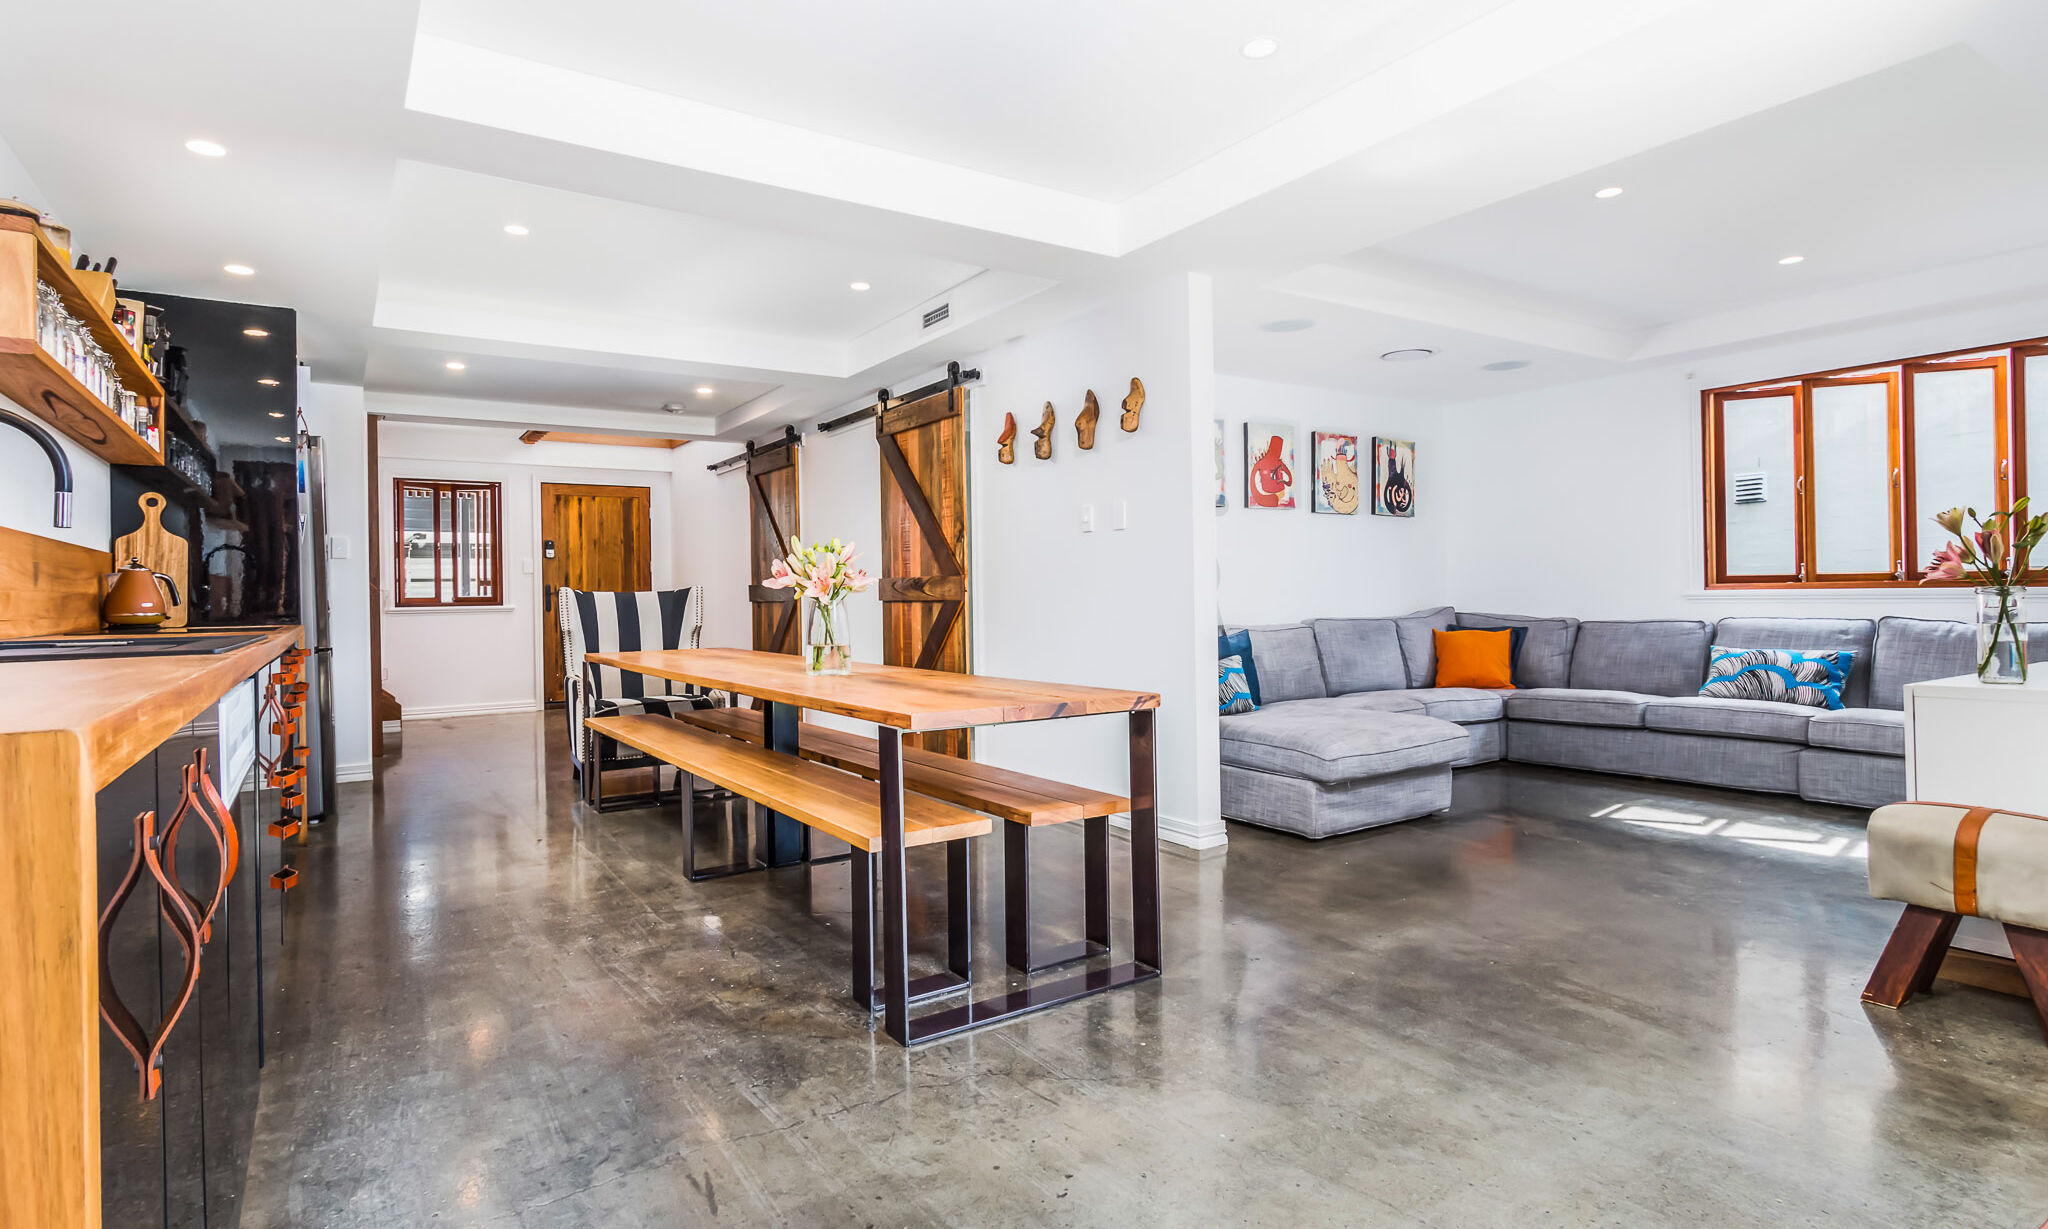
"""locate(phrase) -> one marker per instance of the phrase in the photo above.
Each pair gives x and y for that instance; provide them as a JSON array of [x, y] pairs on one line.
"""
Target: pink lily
[[1946, 565], [779, 576], [819, 589], [858, 579]]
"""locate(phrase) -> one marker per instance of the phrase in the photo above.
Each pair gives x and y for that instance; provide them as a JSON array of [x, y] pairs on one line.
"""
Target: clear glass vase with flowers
[[822, 574], [1998, 554]]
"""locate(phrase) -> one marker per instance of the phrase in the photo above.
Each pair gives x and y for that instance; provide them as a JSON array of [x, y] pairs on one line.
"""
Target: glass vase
[[2002, 635], [828, 646]]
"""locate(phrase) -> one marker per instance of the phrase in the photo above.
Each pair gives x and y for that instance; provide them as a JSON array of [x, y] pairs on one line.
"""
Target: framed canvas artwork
[[1393, 477], [1222, 487], [1336, 480], [1268, 465]]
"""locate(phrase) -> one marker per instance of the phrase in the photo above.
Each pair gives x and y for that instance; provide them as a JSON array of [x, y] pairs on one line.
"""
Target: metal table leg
[[895, 918], [789, 842]]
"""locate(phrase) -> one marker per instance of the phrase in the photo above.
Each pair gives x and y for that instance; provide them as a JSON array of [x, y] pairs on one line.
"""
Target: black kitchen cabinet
[[180, 1159]]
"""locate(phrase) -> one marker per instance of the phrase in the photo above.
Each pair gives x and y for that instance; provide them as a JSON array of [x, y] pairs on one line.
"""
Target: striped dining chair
[[623, 623]]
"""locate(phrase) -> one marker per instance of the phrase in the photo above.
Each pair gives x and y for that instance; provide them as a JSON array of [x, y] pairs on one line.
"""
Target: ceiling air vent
[[1751, 488], [937, 314]]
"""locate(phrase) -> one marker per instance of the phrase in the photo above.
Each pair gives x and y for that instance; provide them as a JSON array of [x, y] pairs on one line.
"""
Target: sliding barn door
[[772, 493], [924, 540]]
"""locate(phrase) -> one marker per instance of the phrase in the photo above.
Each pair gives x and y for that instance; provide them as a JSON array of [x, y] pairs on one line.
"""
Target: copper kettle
[[135, 598]]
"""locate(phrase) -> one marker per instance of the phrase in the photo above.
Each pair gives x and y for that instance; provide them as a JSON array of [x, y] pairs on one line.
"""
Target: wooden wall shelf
[[34, 379]]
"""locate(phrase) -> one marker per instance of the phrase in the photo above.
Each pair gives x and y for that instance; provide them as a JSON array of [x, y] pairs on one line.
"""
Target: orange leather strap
[[1968, 833]]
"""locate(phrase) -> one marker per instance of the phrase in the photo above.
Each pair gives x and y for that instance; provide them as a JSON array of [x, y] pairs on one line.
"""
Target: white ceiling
[[702, 182], [1099, 100], [1939, 160]]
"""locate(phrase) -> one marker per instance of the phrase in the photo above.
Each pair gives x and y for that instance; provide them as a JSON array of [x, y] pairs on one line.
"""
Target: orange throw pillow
[[1475, 659]]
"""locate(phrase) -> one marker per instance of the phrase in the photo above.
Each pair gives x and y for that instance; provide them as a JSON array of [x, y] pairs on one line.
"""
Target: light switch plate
[[337, 546], [1120, 515], [1087, 518]]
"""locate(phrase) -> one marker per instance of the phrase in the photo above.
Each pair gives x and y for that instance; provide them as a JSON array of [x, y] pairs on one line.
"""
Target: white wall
[[334, 412], [1585, 499], [1132, 607], [25, 484], [1282, 565], [711, 541], [488, 659]]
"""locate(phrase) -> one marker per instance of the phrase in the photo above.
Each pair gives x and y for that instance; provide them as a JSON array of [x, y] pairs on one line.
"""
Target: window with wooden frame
[[447, 543], [1830, 480]]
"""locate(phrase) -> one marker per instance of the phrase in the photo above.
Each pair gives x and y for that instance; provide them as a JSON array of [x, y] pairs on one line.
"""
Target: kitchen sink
[[155, 644]]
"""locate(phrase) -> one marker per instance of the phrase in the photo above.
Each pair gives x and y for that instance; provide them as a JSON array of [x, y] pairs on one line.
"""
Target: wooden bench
[[828, 800], [1023, 800]]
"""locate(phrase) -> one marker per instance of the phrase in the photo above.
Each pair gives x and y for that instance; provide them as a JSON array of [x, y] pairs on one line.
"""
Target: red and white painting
[[1268, 465]]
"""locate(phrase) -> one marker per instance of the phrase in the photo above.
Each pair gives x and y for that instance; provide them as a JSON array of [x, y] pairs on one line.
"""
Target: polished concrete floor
[[1573, 1000]]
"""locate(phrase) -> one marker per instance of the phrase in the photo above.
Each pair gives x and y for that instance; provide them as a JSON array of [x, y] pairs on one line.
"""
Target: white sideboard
[[1981, 745]]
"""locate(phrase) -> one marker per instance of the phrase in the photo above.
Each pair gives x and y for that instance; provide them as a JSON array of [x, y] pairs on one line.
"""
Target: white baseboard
[[345, 773], [471, 710], [1180, 832]]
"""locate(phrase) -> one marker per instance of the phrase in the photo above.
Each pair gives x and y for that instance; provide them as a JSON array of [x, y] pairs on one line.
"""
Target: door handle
[[144, 1046], [547, 598]]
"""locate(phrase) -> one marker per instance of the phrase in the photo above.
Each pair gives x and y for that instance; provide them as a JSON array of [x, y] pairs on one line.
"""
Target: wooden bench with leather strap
[[1022, 800]]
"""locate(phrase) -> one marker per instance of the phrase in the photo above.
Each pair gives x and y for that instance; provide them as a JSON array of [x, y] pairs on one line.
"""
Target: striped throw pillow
[[1233, 691], [1788, 676]]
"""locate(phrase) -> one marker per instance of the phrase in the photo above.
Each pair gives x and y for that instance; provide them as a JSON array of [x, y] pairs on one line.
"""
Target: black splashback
[[230, 466]]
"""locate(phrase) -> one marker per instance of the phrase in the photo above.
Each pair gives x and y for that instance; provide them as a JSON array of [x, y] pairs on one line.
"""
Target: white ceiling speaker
[[1506, 364], [1413, 355], [1292, 324]]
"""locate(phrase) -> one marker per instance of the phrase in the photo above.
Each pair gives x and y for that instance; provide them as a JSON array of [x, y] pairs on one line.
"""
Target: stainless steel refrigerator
[[313, 605]]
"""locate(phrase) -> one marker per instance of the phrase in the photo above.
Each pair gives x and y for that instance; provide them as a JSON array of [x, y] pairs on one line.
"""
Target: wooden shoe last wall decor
[[1084, 425]]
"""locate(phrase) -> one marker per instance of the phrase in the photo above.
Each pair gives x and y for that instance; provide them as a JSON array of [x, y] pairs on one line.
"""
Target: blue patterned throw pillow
[[1233, 690], [1239, 645], [1789, 676]]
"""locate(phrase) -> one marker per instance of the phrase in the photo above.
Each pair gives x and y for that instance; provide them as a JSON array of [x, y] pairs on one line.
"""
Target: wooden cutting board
[[160, 551]]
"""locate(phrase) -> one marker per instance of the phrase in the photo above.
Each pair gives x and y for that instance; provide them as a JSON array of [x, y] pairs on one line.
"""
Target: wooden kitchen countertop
[[122, 707]]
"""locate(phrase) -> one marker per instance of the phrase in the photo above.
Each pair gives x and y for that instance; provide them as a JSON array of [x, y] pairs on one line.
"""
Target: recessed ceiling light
[[1293, 324], [514, 228], [705, 390], [238, 270], [1607, 194], [206, 149], [456, 364], [1259, 48], [1406, 356], [267, 382], [282, 439], [277, 413], [255, 332], [1790, 260], [1506, 364], [858, 286]]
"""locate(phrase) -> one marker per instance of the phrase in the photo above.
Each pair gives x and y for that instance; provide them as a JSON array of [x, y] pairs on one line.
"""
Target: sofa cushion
[[1879, 731], [1313, 742], [1768, 719], [1810, 635], [1810, 677], [1233, 693], [1546, 659], [1463, 705], [1470, 657], [1289, 668], [1238, 644], [1576, 706], [1657, 657], [1418, 647], [1360, 655], [1915, 650]]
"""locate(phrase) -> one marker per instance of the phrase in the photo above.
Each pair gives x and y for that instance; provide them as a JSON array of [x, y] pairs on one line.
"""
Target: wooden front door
[[772, 494], [924, 540], [592, 537]]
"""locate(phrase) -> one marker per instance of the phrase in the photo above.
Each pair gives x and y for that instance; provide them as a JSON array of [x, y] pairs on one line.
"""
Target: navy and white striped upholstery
[[623, 623]]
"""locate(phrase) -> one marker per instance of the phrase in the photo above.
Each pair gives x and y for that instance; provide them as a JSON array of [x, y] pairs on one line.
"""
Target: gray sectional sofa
[[1351, 734]]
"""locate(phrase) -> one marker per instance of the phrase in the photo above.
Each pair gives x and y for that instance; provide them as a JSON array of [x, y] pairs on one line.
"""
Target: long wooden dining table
[[900, 700]]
